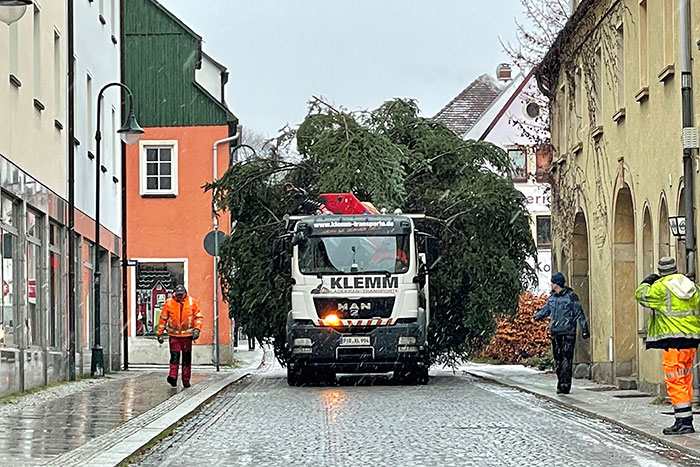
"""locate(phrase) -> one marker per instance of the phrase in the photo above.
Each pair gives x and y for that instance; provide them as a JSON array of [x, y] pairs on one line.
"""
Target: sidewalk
[[629, 409], [106, 422]]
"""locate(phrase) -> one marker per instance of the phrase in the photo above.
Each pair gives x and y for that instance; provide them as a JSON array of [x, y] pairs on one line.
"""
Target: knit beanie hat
[[667, 266], [559, 279]]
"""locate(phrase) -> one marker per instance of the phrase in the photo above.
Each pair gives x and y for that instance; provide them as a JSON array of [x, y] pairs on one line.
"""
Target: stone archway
[[580, 282], [647, 244], [624, 284], [664, 235]]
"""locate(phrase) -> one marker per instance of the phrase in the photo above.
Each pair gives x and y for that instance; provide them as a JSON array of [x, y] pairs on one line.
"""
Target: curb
[[661, 440]]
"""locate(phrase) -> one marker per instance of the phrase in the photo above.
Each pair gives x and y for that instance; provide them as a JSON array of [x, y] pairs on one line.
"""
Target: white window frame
[[143, 145]]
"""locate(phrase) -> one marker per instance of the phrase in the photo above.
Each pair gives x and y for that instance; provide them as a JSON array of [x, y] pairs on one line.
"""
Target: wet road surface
[[36, 435], [453, 421]]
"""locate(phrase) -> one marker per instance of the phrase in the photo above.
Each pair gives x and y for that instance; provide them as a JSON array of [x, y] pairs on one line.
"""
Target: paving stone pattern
[[39, 434], [454, 421]]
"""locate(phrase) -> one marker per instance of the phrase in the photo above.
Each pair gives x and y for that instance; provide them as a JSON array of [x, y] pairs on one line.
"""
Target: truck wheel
[[296, 376], [422, 375], [412, 375]]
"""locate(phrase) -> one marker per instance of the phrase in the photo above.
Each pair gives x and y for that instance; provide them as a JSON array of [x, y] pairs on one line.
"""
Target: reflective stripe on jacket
[[180, 319], [674, 321]]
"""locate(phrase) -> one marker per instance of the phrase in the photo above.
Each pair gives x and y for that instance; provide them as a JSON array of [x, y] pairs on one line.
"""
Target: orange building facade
[[165, 238], [179, 100]]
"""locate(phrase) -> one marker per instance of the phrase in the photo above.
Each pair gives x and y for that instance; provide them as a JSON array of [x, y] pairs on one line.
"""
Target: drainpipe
[[690, 143], [215, 219], [71, 193], [690, 136]]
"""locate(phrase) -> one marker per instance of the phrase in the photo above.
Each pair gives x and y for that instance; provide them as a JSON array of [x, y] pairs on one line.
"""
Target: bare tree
[[546, 18]]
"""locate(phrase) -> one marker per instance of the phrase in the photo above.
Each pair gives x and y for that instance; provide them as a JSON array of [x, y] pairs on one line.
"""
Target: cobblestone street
[[454, 421]]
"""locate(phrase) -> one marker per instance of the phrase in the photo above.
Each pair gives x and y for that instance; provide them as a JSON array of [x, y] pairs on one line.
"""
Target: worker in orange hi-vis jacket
[[182, 319]]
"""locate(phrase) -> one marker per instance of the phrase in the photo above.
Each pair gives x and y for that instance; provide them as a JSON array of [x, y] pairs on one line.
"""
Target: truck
[[359, 293]]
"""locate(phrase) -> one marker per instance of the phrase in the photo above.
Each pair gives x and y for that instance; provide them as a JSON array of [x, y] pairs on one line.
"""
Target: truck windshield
[[354, 255]]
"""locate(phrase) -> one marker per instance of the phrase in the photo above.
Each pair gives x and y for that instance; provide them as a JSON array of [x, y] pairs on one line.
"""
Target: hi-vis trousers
[[678, 375]]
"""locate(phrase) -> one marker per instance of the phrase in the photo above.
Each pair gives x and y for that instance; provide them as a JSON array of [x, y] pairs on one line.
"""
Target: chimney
[[504, 72]]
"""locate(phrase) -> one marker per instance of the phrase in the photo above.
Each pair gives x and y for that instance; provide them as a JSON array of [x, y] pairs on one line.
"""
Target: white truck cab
[[359, 298]]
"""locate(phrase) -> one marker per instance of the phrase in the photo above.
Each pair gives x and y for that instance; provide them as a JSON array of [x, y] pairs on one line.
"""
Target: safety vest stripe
[[676, 335], [645, 290]]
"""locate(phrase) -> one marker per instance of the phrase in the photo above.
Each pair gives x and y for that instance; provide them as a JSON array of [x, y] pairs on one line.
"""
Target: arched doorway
[[580, 282], [664, 240], [624, 285], [680, 246], [647, 244]]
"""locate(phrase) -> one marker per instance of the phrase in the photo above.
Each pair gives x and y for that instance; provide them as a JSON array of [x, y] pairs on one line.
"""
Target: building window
[[532, 110], [578, 104], [620, 68], [57, 76], [669, 11], [10, 323], [158, 168], [598, 86], [56, 289], [544, 231], [155, 282], [14, 50], [91, 130], [34, 264], [643, 49], [37, 52], [518, 157]]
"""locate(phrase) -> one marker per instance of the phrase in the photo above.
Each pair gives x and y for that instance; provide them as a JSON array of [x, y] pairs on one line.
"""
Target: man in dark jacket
[[564, 311]]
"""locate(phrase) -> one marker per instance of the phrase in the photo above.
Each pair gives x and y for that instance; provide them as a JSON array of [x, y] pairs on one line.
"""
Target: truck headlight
[[407, 340], [303, 342]]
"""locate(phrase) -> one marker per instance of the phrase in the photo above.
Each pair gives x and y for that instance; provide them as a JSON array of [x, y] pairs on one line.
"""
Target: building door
[[624, 285], [580, 282]]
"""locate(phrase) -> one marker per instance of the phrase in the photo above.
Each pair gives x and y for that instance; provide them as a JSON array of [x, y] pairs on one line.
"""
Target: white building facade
[[34, 326], [513, 122], [97, 63]]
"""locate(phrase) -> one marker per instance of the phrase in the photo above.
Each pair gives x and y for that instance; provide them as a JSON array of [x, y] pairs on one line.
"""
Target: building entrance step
[[627, 383]]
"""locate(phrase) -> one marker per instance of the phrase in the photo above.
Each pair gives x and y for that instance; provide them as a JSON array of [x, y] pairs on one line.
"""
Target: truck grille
[[364, 308]]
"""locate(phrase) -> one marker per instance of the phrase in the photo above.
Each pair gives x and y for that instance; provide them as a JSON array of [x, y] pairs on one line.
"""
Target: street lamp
[[677, 224], [130, 133], [12, 11]]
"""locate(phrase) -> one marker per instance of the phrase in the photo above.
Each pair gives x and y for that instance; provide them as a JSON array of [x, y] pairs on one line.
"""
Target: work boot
[[681, 427], [186, 384], [172, 381]]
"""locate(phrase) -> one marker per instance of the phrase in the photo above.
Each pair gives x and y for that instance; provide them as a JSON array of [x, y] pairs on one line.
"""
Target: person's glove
[[161, 338], [651, 278], [585, 334], [195, 336]]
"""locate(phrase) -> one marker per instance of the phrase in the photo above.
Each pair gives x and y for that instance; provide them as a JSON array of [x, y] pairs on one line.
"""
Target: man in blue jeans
[[564, 311]]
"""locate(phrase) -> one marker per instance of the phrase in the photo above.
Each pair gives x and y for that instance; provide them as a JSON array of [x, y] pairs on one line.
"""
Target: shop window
[[544, 231], [518, 158], [56, 289], [10, 325], [158, 168], [155, 282], [33, 266]]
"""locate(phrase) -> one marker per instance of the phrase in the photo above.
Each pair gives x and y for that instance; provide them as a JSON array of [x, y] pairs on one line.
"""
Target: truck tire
[[296, 376], [412, 376]]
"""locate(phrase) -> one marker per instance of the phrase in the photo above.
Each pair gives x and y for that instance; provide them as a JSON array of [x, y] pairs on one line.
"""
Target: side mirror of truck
[[279, 256], [428, 244]]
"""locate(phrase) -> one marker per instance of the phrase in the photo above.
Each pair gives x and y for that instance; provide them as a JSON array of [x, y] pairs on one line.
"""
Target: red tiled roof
[[465, 109]]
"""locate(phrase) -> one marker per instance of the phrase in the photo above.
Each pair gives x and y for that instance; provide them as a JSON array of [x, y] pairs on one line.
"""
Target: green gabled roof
[[161, 54], [176, 19]]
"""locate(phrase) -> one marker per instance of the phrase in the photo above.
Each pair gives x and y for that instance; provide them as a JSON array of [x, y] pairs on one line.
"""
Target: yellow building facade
[[613, 77]]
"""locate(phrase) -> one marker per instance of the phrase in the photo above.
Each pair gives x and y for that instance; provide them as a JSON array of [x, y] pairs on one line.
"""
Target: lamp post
[[12, 11], [130, 133]]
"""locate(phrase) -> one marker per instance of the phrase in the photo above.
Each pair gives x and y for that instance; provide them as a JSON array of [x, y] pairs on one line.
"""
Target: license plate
[[354, 340]]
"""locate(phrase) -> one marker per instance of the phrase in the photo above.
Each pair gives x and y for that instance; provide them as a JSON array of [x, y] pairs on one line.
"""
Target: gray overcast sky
[[357, 53]]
